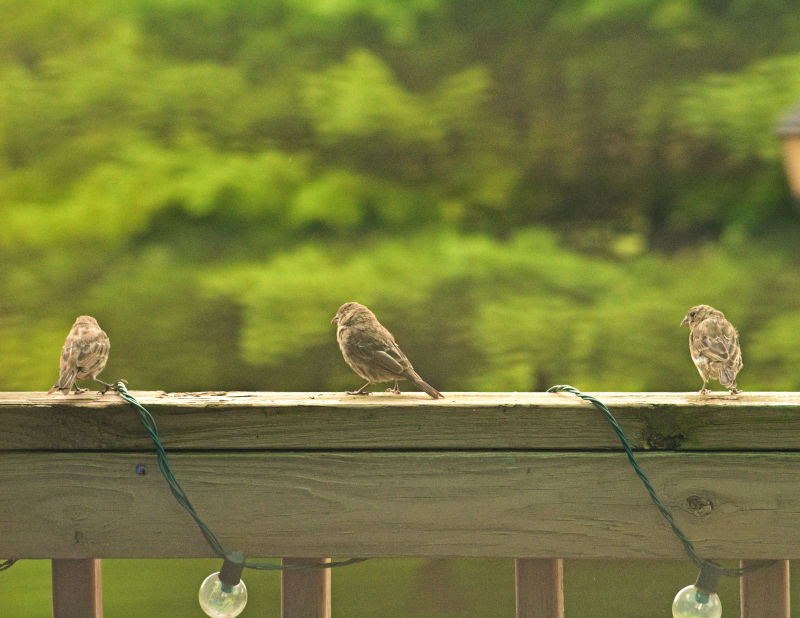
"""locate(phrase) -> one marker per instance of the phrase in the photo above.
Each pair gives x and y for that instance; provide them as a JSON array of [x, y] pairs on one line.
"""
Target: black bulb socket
[[708, 579], [231, 572]]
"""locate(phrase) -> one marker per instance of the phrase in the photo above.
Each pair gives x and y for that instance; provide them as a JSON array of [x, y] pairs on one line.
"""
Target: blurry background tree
[[525, 193]]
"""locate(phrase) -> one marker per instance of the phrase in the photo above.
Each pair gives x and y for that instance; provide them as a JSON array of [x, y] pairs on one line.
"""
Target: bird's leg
[[108, 386], [360, 391], [79, 390], [734, 390], [395, 390], [704, 390]]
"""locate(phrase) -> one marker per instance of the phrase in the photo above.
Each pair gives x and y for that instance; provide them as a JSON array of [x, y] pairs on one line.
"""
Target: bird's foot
[[394, 389], [704, 391], [111, 387], [735, 391], [116, 385], [357, 393], [79, 390]]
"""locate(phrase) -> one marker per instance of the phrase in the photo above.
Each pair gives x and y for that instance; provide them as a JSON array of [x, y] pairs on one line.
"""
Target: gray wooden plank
[[538, 505], [462, 421]]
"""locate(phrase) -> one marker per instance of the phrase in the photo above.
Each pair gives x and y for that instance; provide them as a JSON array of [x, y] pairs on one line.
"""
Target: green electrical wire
[[665, 512], [180, 495]]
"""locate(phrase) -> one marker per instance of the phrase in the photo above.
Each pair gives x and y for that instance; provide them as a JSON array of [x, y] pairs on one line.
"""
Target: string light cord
[[180, 495], [702, 563], [7, 564]]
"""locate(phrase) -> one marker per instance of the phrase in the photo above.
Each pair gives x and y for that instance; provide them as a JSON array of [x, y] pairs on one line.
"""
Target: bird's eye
[[691, 315]]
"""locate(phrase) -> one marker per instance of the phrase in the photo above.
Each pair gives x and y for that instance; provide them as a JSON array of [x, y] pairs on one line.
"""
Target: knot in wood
[[699, 505], [663, 442]]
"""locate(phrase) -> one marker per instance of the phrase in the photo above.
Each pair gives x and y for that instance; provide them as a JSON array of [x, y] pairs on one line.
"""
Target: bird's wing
[[387, 362], [70, 354], [381, 349], [68, 366], [716, 340], [92, 352]]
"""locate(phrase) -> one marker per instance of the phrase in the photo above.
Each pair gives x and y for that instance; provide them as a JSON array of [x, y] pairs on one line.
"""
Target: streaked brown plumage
[[714, 346], [84, 355], [371, 351]]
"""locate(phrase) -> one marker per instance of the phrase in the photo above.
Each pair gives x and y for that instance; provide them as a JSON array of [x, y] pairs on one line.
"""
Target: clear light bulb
[[223, 594], [694, 602], [700, 600]]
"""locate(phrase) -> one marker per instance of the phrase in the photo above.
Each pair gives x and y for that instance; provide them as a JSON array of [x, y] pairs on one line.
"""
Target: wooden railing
[[535, 476]]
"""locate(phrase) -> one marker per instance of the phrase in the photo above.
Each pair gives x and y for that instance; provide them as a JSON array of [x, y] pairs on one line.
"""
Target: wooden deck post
[[765, 593], [306, 594], [540, 592], [77, 588]]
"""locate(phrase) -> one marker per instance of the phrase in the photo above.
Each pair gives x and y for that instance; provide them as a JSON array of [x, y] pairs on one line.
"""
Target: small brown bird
[[714, 346], [84, 355], [371, 351]]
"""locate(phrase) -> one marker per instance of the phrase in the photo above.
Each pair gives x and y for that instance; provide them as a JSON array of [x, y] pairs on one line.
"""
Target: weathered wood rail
[[535, 476]]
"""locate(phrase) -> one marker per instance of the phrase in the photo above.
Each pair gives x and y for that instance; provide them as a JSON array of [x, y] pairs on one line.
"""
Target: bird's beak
[[335, 319], [685, 321]]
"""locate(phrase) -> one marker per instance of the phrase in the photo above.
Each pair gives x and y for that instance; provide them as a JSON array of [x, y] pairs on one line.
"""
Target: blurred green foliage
[[651, 117], [474, 312], [525, 193]]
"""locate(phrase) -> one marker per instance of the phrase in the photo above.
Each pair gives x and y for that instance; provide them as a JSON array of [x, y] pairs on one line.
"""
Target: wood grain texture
[[77, 589], [539, 588], [306, 594], [462, 421], [538, 505], [765, 593]]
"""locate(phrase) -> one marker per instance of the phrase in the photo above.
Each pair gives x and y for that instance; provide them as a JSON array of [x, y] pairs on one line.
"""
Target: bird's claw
[[358, 393], [112, 387]]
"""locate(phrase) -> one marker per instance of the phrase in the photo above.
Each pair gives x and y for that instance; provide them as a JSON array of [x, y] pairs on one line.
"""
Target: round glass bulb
[[694, 602], [218, 602]]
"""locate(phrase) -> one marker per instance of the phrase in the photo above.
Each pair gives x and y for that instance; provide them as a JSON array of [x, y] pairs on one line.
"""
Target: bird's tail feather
[[727, 377], [422, 384], [65, 382]]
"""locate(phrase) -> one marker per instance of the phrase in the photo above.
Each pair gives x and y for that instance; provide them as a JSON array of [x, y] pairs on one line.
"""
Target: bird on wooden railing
[[714, 346], [84, 355], [372, 352]]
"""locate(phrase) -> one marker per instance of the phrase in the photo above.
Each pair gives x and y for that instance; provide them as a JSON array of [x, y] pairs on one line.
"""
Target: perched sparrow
[[84, 355], [714, 346], [371, 351]]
